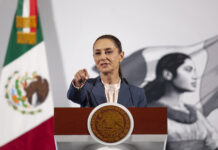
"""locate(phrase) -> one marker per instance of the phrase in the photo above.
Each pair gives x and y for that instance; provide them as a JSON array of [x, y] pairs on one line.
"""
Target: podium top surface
[[73, 121]]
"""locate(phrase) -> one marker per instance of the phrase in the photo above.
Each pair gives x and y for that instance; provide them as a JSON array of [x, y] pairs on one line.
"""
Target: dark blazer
[[92, 94]]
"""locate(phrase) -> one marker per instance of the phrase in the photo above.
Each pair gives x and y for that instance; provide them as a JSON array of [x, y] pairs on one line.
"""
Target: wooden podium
[[150, 129]]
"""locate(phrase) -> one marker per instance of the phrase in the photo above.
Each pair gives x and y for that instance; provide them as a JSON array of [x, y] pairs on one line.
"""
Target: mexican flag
[[26, 107]]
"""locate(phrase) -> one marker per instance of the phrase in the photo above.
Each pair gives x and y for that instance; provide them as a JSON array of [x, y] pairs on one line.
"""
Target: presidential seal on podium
[[110, 123]]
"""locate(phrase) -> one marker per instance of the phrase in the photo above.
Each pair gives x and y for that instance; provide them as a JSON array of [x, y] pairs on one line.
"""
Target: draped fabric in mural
[[188, 75]]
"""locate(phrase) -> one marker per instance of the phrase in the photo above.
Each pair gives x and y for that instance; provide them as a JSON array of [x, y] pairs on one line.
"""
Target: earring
[[167, 75]]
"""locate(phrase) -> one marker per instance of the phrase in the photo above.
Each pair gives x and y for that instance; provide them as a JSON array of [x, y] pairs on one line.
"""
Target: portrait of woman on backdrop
[[188, 128], [110, 86]]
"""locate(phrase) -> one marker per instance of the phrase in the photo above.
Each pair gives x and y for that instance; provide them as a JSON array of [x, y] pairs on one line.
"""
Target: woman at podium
[[110, 86], [188, 129]]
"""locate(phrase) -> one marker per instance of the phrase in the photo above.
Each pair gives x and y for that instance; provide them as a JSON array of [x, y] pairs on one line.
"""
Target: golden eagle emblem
[[110, 124], [26, 93]]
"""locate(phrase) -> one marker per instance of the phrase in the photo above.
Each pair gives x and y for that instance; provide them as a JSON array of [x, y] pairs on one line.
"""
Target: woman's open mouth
[[104, 64]]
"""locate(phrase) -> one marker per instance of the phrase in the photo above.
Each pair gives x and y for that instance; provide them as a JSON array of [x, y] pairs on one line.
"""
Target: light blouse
[[112, 91]]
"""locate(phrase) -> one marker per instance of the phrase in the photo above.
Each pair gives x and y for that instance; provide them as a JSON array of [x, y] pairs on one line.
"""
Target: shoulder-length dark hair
[[117, 43], [156, 89]]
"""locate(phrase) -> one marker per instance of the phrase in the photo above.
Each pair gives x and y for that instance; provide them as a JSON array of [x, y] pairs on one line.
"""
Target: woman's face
[[186, 78], [106, 55]]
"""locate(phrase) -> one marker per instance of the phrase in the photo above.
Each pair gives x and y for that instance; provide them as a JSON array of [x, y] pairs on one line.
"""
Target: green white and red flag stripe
[[26, 106]]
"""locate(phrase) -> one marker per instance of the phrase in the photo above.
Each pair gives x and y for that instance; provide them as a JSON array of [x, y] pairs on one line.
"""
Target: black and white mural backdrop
[[183, 79]]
